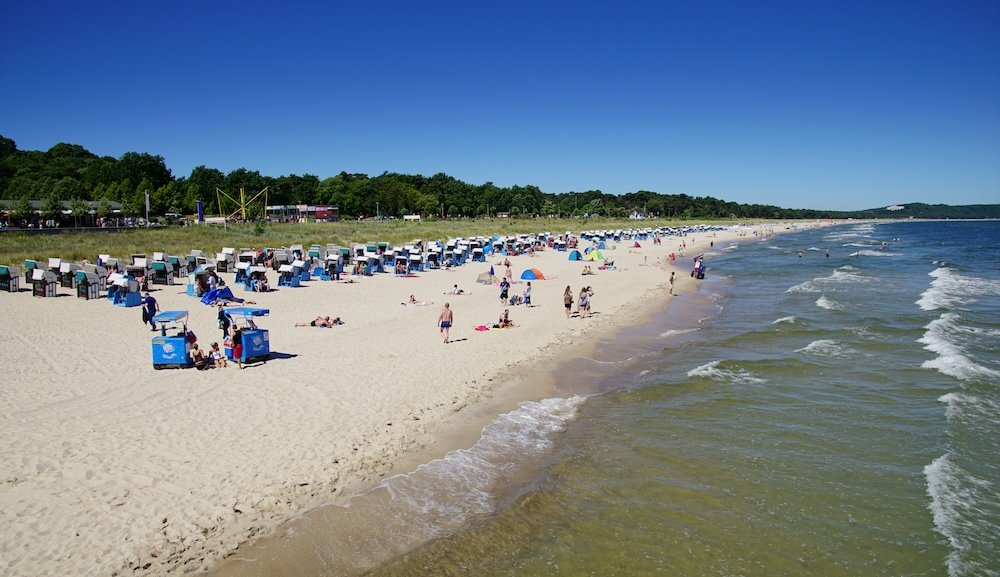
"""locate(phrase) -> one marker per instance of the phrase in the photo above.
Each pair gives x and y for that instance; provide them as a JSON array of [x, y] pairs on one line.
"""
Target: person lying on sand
[[321, 322], [413, 302]]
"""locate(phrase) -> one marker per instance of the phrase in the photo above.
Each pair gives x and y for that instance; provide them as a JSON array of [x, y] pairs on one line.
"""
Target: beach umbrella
[[532, 274]]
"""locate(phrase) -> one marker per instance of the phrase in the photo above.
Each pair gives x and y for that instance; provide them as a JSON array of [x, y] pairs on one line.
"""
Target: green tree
[[136, 166], [69, 187], [79, 208], [201, 186], [52, 207], [104, 209], [22, 209]]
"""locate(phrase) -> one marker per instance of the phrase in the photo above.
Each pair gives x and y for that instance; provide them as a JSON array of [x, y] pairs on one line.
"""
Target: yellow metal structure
[[253, 209]]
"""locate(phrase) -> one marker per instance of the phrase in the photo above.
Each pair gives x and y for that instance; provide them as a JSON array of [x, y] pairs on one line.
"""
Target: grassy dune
[[75, 246]]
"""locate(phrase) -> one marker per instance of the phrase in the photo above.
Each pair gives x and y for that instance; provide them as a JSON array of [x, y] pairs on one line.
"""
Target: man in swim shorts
[[444, 321]]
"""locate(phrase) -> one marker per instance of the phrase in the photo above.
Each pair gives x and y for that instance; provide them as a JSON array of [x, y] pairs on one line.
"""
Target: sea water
[[797, 414]]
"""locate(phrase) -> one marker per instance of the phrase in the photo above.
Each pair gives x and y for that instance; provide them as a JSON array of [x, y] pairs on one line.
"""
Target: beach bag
[[145, 315]]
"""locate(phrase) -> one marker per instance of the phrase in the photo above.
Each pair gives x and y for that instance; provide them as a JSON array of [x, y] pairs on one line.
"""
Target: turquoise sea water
[[797, 415]]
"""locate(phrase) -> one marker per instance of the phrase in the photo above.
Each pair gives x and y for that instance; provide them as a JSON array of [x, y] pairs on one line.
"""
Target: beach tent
[[487, 278], [532, 274], [575, 255], [221, 294], [601, 245], [637, 245], [595, 255]]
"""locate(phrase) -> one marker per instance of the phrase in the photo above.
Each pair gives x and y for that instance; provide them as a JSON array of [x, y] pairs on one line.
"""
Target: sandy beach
[[112, 468]]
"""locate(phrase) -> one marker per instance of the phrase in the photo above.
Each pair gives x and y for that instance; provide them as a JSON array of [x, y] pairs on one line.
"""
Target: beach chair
[[241, 271], [139, 267], [100, 272], [44, 283], [88, 286], [10, 278], [303, 270], [162, 273], [178, 267], [123, 290], [67, 274], [289, 276], [225, 260], [254, 279]]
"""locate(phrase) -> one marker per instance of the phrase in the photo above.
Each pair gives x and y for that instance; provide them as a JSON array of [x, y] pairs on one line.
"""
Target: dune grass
[[15, 248]]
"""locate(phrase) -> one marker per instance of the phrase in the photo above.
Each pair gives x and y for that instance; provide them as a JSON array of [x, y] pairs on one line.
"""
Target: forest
[[69, 173]]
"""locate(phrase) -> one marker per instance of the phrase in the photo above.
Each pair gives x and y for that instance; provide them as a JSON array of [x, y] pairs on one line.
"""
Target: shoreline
[[194, 472], [295, 545]]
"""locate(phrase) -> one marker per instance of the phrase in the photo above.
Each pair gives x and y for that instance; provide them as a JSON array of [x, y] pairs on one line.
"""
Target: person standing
[[238, 346], [223, 321], [527, 295], [504, 287], [445, 320], [568, 301], [150, 308], [671, 282]]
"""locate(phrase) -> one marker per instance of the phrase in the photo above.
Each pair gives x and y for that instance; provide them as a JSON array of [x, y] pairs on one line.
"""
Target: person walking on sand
[[149, 309], [444, 321], [671, 282], [568, 301]]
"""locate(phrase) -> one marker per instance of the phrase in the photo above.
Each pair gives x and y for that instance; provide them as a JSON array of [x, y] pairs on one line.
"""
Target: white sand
[[111, 468]]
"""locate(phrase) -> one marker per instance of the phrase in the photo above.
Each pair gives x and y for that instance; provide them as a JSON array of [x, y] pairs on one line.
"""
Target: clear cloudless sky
[[803, 104]]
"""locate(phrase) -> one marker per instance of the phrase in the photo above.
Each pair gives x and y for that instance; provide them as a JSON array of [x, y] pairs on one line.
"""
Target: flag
[[491, 271]]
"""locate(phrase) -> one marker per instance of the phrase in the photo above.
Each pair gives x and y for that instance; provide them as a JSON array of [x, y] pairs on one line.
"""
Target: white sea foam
[[956, 500], [772, 247], [673, 332], [853, 232], [449, 490], [813, 248], [874, 253], [976, 410], [950, 289], [840, 276], [943, 336], [826, 348], [846, 267], [713, 371], [732, 247], [783, 320], [858, 244], [830, 305]]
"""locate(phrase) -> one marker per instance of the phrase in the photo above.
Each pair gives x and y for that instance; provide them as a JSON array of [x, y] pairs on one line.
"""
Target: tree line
[[69, 172]]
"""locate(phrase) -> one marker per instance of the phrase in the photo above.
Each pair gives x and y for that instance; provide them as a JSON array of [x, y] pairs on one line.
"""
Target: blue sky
[[831, 105]]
